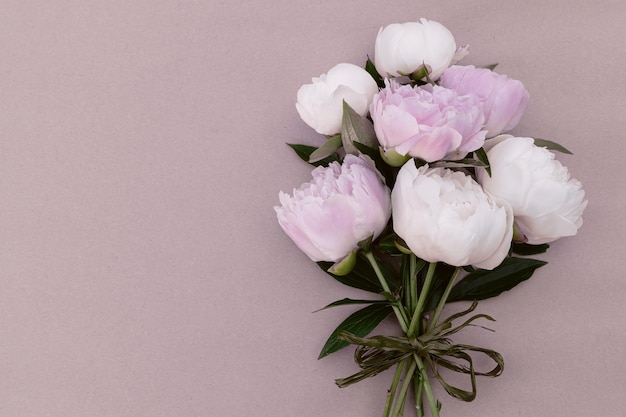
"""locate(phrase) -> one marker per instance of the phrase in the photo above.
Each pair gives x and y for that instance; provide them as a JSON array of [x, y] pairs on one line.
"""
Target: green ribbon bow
[[378, 353]]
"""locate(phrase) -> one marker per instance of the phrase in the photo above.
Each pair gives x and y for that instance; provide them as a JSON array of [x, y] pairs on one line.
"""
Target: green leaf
[[491, 67], [525, 249], [350, 301], [482, 157], [360, 323], [327, 149], [461, 163], [553, 146], [387, 244], [356, 128], [371, 69], [483, 284], [305, 151]]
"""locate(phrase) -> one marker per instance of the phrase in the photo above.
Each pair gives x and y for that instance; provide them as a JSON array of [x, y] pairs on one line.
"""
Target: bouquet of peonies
[[419, 197]]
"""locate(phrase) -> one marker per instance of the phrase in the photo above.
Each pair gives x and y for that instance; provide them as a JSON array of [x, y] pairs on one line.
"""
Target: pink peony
[[504, 99], [343, 205], [428, 122]]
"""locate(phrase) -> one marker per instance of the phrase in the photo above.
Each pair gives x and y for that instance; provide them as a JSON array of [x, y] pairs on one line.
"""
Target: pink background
[[142, 147]]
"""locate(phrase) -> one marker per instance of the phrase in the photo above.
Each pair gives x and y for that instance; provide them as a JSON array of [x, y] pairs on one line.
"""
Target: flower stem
[[443, 299], [405, 386], [418, 384], [394, 386], [400, 314], [413, 283], [432, 403], [416, 319]]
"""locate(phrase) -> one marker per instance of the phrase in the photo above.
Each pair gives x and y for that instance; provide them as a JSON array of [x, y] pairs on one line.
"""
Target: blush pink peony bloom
[[343, 205], [504, 99], [428, 122]]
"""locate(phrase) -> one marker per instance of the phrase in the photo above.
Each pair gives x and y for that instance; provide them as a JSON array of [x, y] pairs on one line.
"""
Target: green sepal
[[327, 149], [304, 152], [421, 73], [491, 67], [344, 266], [363, 276], [360, 323], [553, 146], [402, 246], [526, 249], [393, 158], [371, 69], [483, 284], [356, 128]]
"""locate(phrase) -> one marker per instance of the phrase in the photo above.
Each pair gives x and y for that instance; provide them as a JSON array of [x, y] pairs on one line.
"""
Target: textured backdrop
[[142, 147]]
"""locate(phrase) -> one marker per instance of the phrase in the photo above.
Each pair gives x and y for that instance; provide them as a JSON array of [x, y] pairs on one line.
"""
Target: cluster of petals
[[341, 206], [428, 122]]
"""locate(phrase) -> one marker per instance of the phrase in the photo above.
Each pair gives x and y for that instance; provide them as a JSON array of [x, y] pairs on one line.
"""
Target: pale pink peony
[[428, 122], [504, 99], [343, 205]]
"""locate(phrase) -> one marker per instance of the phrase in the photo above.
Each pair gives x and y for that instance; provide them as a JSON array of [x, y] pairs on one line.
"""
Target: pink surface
[[142, 272]]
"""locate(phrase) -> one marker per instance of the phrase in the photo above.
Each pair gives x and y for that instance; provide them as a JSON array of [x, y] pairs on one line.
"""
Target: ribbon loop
[[378, 353]]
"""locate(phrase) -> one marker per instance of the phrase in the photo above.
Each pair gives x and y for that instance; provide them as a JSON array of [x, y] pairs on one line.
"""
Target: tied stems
[[413, 367], [409, 328]]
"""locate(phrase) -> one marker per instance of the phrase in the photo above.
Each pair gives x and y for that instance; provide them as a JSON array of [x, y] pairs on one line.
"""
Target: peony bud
[[407, 48]]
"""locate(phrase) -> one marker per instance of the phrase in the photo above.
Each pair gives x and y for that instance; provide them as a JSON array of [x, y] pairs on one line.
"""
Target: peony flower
[[547, 204], [444, 215], [428, 122], [343, 205], [402, 48], [320, 104], [504, 99]]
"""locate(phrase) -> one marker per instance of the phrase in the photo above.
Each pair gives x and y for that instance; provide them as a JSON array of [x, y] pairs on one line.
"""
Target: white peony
[[444, 215], [546, 202], [402, 48], [320, 104]]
